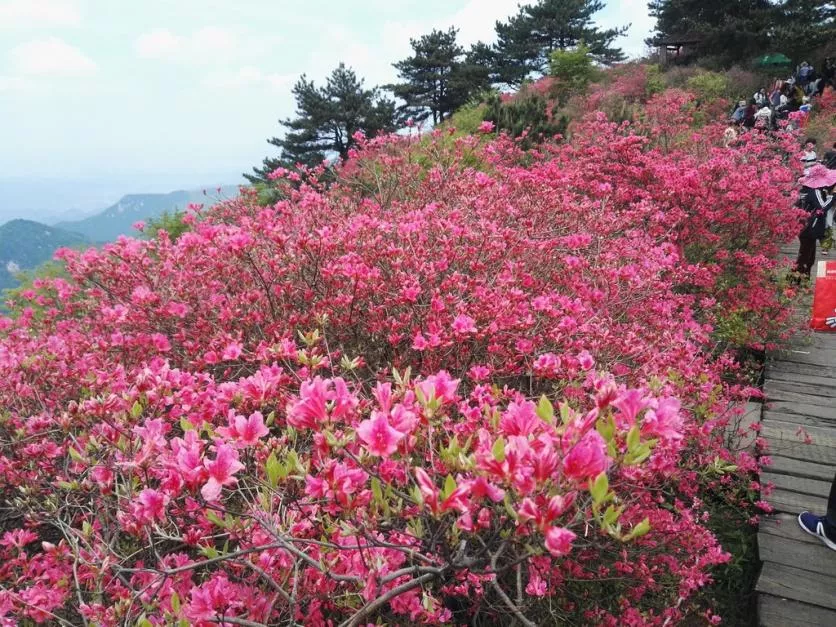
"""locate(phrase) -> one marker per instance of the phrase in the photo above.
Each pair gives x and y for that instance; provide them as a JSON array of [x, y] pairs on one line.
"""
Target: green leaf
[[214, 518], [377, 493], [271, 418], [272, 468], [75, 454], [599, 488], [565, 413], [185, 425], [498, 450], [175, 602], [633, 438], [209, 552], [545, 410], [639, 530], [142, 621], [449, 486], [136, 410], [612, 515]]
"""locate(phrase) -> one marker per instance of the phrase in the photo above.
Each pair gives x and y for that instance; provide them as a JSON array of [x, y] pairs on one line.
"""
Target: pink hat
[[819, 176]]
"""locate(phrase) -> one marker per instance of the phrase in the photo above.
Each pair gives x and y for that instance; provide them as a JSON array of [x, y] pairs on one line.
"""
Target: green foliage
[[655, 80], [708, 85], [529, 114], [801, 26], [466, 120], [574, 70], [327, 119], [438, 78], [527, 40], [729, 32], [170, 222], [12, 298]]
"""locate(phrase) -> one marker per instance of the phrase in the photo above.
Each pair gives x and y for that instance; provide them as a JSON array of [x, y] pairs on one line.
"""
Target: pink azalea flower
[[232, 351], [150, 506], [464, 325], [586, 360], [487, 127], [380, 437], [588, 458], [220, 471], [630, 404], [559, 541], [664, 421], [245, 431]]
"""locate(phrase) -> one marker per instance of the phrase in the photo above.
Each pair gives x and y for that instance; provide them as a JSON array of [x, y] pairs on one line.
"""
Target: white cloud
[[38, 13], [12, 83], [208, 45], [249, 76], [50, 56]]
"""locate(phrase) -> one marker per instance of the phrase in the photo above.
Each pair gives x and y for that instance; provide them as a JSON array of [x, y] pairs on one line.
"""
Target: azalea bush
[[463, 382]]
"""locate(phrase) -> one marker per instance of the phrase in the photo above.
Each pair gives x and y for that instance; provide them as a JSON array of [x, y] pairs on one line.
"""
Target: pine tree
[[802, 26], [731, 31], [438, 78], [327, 119], [526, 41]]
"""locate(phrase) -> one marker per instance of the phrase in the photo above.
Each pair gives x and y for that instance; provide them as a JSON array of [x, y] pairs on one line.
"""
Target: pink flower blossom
[[245, 431], [464, 325], [588, 458], [220, 471], [559, 541], [379, 436]]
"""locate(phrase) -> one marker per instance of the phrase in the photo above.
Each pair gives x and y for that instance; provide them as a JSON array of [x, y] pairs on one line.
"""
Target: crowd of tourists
[[786, 99]]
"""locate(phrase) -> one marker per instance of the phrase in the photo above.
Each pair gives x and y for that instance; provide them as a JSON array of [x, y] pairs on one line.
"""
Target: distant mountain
[[24, 245], [119, 219]]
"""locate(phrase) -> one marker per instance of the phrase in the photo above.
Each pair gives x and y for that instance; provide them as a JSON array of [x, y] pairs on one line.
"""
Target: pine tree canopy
[[438, 78], [326, 121]]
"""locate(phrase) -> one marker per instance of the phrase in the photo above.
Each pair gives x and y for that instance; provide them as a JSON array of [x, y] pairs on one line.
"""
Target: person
[[823, 527], [737, 116], [816, 198], [749, 114], [761, 99], [809, 156], [775, 95], [802, 72]]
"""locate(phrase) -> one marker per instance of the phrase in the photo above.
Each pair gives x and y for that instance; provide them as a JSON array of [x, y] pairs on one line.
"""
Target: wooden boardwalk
[[797, 586]]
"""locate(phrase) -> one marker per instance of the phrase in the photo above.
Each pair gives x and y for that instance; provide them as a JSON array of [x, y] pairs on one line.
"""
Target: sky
[[160, 94]]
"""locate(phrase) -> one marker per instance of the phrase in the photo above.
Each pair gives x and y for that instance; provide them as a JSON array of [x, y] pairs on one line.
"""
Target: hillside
[[119, 218], [25, 244]]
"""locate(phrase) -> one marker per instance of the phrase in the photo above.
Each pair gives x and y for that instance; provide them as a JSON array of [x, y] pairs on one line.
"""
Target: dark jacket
[[816, 203]]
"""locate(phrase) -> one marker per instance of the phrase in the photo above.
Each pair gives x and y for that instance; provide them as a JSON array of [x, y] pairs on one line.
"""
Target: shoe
[[816, 526]]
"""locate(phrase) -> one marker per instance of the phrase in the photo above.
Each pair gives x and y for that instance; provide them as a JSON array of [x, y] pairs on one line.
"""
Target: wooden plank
[[813, 340], [800, 468], [784, 525], [815, 558], [802, 485], [816, 370], [775, 389], [801, 408], [795, 502], [789, 427], [806, 452], [799, 585], [815, 357], [781, 376], [777, 612]]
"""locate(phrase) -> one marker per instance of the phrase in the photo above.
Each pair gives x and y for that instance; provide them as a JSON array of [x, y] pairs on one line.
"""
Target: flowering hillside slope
[[465, 383]]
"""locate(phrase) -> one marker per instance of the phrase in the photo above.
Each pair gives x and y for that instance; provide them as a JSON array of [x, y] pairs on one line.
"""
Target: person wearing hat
[[816, 199]]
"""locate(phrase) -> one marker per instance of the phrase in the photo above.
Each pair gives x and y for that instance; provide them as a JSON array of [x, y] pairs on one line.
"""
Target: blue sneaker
[[817, 526]]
